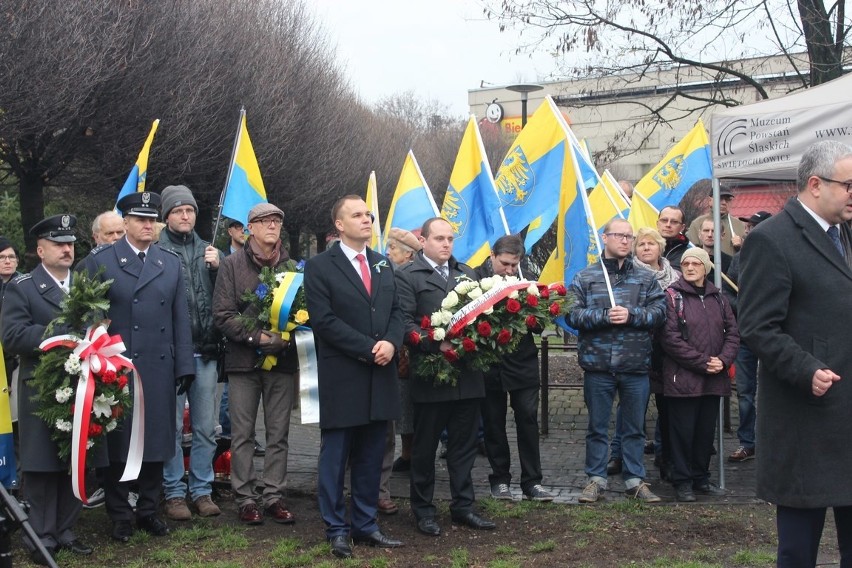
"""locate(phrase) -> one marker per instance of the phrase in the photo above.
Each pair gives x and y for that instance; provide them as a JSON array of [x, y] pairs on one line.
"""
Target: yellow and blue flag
[[685, 164], [530, 177], [589, 179], [372, 200], [244, 188], [7, 442], [471, 205], [577, 243], [642, 213], [136, 179], [412, 202]]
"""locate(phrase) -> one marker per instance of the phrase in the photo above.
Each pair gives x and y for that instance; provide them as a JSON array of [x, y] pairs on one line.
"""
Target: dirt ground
[[602, 535]]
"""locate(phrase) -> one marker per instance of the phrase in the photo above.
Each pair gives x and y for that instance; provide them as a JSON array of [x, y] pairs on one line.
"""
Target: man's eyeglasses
[[621, 236], [663, 221], [8, 258], [270, 221], [847, 184]]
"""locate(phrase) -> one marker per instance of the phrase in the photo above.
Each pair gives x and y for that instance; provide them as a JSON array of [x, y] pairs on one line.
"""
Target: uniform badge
[[66, 221], [123, 260], [160, 262], [42, 285], [146, 198]]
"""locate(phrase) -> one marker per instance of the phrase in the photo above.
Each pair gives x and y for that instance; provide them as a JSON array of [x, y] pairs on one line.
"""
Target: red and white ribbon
[[99, 352], [470, 311]]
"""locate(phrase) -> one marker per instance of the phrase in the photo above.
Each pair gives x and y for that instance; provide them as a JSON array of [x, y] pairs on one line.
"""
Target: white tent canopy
[[765, 140]]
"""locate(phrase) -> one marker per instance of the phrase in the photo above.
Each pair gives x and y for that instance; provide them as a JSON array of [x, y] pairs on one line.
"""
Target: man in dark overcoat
[[148, 309], [795, 305], [32, 301], [357, 324], [422, 285]]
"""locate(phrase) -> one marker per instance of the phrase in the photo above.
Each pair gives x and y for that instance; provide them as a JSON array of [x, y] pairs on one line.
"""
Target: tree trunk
[[321, 242], [824, 58], [293, 237], [31, 193]]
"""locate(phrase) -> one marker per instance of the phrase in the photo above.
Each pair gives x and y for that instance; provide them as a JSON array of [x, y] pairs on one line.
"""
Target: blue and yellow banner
[[412, 202], [7, 442], [471, 205], [245, 187], [279, 313], [139, 173]]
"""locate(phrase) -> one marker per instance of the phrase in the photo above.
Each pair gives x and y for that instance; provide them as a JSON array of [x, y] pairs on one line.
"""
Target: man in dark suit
[[795, 305], [148, 309], [422, 285], [32, 301], [357, 323]]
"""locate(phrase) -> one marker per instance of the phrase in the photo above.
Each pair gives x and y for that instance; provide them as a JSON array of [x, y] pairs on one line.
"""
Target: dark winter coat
[[237, 274], [795, 306], [421, 290], [347, 323], [519, 370], [675, 247], [148, 310], [607, 348], [712, 332], [32, 301], [199, 280]]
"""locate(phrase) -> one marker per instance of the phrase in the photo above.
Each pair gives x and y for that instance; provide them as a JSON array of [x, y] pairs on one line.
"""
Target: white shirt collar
[[352, 253], [822, 222]]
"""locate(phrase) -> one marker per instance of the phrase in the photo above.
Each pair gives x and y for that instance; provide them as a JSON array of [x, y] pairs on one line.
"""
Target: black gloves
[[183, 383], [275, 345]]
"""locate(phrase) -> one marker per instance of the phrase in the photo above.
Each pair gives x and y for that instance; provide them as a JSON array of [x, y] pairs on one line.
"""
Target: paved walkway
[[562, 453]]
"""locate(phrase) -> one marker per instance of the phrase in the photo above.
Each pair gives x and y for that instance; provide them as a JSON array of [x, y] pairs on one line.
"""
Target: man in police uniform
[[148, 309], [32, 301]]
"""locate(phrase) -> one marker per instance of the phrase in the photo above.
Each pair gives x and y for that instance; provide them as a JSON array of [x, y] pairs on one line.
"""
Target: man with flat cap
[[32, 301], [148, 309], [248, 384]]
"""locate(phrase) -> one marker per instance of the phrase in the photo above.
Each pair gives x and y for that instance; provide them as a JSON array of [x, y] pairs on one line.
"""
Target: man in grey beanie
[[200, 261]]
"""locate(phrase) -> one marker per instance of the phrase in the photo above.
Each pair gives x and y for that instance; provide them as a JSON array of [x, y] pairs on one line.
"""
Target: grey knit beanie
[[175, 196]]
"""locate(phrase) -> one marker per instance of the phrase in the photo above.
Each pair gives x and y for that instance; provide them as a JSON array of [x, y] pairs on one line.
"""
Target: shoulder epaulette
[[21, 278], [100, 248]]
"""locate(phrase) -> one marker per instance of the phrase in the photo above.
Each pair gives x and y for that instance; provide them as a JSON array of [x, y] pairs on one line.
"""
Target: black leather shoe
[[377, 539], [429, 527], [38, 558], [77, 547], [474, 521], [684, 494], [153, 525], [340, 546], [709, 489], [122, 531], [614, 466]]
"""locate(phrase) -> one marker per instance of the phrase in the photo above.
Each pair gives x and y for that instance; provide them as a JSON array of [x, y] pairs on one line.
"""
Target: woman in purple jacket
[[700, 340]]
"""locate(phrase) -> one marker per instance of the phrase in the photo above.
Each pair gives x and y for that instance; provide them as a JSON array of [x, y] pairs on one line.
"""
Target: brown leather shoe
[[250, 514], [387, 507], [280, 514], [206, 507]]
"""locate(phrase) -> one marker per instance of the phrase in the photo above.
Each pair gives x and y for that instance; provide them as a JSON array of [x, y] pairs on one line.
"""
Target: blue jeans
[[599, 392], [746, 390], [202, 412], [224, 416]]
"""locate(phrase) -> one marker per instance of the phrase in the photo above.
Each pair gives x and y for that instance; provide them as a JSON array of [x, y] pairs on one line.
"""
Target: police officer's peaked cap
[[59, 228], [140, 204]]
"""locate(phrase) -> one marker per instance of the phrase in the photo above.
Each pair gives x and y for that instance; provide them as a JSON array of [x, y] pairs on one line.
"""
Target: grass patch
[[753, 558], [505, 550], [505, 563], [543, 546], [460, 558], [584, 519], [509, 509], [162, 556], [379, 562], [229, 538]]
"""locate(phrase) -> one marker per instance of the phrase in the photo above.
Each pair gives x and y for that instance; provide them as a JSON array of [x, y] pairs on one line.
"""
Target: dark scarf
[[278, 255]]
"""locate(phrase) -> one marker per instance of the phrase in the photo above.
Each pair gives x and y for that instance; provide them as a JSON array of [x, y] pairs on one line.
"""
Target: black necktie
[[141, 256], [442, 270], [834, 235]]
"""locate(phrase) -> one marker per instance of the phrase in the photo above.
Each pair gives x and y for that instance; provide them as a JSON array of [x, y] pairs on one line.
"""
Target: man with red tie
[[357, 323]]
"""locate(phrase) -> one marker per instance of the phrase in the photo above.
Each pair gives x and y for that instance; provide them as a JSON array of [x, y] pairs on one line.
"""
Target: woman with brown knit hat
[[401, 247]]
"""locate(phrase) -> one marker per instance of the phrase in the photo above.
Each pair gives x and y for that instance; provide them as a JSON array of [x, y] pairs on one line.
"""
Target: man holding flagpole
[[614, 351]]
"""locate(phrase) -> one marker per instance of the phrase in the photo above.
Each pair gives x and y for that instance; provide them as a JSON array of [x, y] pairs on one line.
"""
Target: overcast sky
[[437, 48]]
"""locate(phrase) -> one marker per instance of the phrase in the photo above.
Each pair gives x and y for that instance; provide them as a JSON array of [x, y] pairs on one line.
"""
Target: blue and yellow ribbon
[[282, 303]]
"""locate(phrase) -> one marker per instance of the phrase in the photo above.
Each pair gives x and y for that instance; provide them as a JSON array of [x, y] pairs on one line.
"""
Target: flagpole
[[228, 176]]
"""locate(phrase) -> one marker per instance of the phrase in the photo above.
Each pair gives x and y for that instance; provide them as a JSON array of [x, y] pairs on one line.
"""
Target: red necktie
[[365, 272]]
